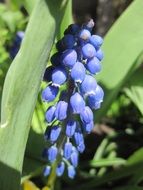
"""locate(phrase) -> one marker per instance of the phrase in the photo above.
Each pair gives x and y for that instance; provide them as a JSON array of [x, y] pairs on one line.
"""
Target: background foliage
[[114, 155]]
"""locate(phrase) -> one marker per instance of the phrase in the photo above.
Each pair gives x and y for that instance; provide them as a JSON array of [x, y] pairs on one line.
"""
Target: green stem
[[52, 177]]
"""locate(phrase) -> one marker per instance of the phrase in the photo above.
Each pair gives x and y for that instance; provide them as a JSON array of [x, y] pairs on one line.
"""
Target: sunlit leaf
[[134, 89], [29, 185], [21, 89], [122, 48]]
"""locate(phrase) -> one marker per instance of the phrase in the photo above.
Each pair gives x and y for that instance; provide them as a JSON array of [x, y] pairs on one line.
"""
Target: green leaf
[[38, 121], [29, 5], [67, 19], [119, 173], [131, 187], [136, 157], [11, 19], [21, 89], [134, 89], [122, 47], [108, 162]]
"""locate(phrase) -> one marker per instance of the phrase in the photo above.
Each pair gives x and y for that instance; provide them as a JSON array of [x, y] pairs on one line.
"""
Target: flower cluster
[[75, 64]]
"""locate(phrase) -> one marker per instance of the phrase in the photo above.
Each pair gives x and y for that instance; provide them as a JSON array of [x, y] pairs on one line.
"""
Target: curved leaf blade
[[21, 88], [122, 47]]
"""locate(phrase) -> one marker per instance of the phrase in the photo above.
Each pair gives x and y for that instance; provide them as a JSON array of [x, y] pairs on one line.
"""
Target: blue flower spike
[[71, 76]]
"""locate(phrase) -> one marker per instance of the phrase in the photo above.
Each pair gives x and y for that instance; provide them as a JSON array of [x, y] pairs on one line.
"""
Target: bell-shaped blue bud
[[99, 54], [59, 76], [47, 171], [47, 75], [88, 85], [54, 134], [81, 147], [52, 153], [50, 93], [96, 41], [78, 136], [78, 72], [61, 110], [74, 158], [60, 169], [67, 150], [19, 37], [94, 100], [86, 115], [72, 29], [68, 41], [50, 114], [60, 46], [56, 59], [93, 65], [77, 103], [69, 58], [88, 51], [88, 127], [70, 128], [84, 34], [71, 172], [89, 25]]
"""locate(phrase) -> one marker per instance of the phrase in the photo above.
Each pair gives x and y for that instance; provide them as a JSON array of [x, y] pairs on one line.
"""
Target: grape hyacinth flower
[[73, 66]]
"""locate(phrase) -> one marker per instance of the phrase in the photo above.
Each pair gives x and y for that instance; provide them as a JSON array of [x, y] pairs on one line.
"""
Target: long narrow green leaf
[[108, 162], [134, 89], [112, 176], [122, 47], [21, 89], [136, 157]]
